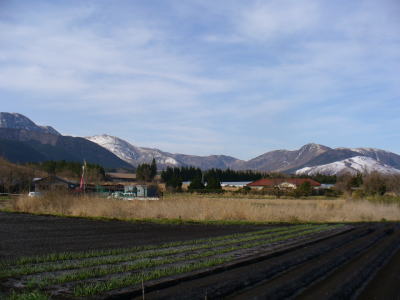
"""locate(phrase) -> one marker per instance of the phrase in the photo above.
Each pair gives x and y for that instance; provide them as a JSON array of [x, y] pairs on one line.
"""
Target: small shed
[[141, 191]]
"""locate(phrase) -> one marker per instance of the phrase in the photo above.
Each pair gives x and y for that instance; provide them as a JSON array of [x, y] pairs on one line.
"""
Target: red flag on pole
[[82, 184]]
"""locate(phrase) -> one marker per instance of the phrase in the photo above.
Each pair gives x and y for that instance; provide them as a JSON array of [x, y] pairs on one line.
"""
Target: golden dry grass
[[203, 208]]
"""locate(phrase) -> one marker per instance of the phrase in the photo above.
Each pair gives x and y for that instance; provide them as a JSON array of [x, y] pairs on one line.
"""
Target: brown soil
[[25, 234], [359, 262], [341, 267]]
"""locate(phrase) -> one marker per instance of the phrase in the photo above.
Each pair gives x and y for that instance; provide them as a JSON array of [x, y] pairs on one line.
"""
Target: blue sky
[[207, 77]]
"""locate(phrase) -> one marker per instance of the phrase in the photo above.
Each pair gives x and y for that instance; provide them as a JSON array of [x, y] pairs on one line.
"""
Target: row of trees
[[199, 180], [73, 170], [321, 178], [191, 173], [371, 184], [173, 177]]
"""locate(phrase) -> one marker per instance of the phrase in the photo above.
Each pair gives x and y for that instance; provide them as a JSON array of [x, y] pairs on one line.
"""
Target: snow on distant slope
[[136, 155], [282, 160], [130, 153], [357, 164]]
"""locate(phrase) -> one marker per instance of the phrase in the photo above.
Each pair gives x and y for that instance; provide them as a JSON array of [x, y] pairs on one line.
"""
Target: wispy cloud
[[203, 76], [265, 21]]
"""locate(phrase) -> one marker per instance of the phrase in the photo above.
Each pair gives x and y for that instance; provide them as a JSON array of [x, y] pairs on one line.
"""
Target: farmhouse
[[283, 183], [53, 183]]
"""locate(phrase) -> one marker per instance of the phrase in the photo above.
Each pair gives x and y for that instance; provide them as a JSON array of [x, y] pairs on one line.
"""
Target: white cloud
[[37, 79], [230, 70], [127, 66], [277, 19]]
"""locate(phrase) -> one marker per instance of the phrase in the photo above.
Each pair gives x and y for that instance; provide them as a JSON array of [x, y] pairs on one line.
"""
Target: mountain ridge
[[54, 147], [18, 121], [282, 160], [136, 155], [288, 161], [21, 140]]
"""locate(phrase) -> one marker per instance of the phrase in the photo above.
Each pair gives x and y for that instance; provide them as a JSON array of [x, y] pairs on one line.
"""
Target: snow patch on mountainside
[[130, 153], [353, 165], [120, 148]]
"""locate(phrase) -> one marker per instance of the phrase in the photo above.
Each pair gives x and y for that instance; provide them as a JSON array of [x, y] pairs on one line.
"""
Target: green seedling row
[[90, 289], [32, 269], [109, 252], [33, 295], [115, 283], [98, 272]]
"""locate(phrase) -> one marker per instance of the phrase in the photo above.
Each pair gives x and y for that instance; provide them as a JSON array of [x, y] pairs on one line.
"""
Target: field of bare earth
[[214, 208], [60, 257], [50, 257]]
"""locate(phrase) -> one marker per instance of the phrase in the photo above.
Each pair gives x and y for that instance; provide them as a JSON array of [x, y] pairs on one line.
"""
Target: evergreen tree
[[213, 183], [196, 184], [174, 184], [143, 172], [153, 169]]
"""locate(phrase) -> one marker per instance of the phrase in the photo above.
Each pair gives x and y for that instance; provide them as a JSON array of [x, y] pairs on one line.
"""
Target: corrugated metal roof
[[277, 181]]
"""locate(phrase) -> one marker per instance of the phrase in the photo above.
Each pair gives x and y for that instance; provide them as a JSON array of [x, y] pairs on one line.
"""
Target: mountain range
[[308, 160], [136, 155], [18, 121], [21, 140]]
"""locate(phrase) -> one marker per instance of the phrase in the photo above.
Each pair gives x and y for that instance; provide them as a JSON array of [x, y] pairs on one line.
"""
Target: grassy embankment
[[218, 208]]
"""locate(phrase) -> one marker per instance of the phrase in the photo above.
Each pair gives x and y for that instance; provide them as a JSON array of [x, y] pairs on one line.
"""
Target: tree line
[[210, 179], [189, 173], [371, 184], [73, 170], [174, 176]]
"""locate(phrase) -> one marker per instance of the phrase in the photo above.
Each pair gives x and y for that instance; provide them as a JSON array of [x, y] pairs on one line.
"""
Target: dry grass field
[[210, 208]]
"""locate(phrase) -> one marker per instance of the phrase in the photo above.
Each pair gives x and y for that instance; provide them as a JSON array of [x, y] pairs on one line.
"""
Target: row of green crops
[[162, 250], [111, 252], [146, 264], [95, 272]]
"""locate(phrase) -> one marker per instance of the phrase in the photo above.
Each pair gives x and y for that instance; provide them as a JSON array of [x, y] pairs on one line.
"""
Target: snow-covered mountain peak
[[119, 147], [368, 150], [132, 154], [353, 165], [137, 155]]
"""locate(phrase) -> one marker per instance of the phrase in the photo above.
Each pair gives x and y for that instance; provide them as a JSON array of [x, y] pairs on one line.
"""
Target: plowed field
[[319, 261]]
